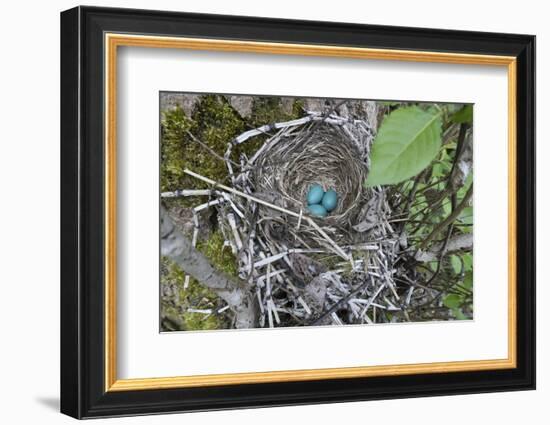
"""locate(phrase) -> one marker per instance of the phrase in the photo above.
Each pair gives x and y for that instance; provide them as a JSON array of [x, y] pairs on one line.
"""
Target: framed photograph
[[261, 212]]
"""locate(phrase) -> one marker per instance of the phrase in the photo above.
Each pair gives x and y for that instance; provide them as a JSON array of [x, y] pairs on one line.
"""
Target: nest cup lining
[[324, 156]]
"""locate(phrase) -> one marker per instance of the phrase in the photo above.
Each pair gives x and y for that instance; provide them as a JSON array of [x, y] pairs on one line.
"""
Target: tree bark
[[458, 243], [179, 249]]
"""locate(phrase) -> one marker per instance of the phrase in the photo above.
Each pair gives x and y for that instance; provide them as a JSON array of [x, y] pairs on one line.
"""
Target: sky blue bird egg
[[330, 200], [315, 194], [317, 210]]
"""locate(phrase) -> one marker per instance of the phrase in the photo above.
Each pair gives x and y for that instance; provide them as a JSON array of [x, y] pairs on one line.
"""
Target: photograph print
[[287, 211]]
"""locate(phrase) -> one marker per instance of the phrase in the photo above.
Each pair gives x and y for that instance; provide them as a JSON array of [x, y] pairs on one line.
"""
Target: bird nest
[[303, 269], [289, 166], [327, 150]]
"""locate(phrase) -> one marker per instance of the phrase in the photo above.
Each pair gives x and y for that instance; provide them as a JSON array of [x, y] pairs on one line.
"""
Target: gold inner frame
[[113, 41]]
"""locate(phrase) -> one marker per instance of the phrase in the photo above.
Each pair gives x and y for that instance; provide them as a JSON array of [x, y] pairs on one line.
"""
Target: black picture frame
[[83, 392]]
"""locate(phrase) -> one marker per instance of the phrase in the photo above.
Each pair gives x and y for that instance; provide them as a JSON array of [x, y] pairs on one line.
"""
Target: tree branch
[[457, 243], [454, 214], [179, 249]]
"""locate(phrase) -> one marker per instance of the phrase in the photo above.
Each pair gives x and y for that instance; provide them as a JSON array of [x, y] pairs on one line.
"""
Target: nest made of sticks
[[262, 215], [327, 150]]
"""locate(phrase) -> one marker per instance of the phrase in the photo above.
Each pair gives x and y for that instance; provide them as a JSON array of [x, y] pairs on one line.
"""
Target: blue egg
[[330, 200], [317, 210], [315, 194]]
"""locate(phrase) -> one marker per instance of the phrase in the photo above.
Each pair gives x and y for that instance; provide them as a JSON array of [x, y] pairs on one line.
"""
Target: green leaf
[[407, 142], [464, 189], [456, 263], [452, 301], [465, 115], [467, 215], [468, 262], [468, 281], [447, 208], [437, 170], [457, 313]]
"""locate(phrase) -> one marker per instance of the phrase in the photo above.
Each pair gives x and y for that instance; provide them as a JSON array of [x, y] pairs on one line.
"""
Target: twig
[[341, 302], [452, 216], [185, 192], [210, 150], [457, 243]]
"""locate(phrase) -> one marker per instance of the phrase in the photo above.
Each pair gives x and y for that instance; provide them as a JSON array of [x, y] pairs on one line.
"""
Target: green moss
[[173, 147], [267, 110], [200, 322], [214, 123], [221, 257]]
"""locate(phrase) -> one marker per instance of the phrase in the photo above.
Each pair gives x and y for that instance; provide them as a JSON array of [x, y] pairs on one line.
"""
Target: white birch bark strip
[[274, 310], [187, 278], [269, 304], [363, 247], [278, 277], [303, 303], [228, 163], [363, 301], [409, 295], [336, 319], [260, 302], [354, 309], [261, 279], [235, 208], [195, 229], [299, 219], [207, 205], [371, 299], [392, 288], [269, 260], [266, 128], [391, 307], [282, 255], [195, 310], [270, 316], [233, 224], [186, 192]]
